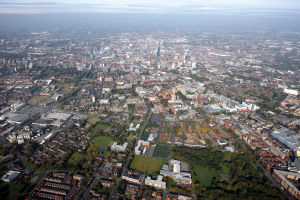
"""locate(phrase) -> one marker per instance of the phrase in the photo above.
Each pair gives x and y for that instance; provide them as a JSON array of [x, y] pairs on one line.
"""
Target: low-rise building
[[158, 183], [283, 176], [133, 177], [141, 147], [119, 148], [180, 176], [10, 176]]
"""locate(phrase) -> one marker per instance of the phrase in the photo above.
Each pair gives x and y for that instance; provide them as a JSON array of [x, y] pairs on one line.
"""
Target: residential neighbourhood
[[149, 115]]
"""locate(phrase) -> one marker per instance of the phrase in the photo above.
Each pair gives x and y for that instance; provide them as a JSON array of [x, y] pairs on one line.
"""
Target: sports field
[[98, 143], [37, 99], [146, 164], [101, 141], [101, 126], [162, 151], [94, 120]]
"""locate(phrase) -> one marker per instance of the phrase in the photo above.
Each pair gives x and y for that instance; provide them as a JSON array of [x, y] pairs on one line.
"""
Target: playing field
[[101, 126], [147, 165], [37, 99], [94, 120], [162, 151], [101, 141], [98, 143]]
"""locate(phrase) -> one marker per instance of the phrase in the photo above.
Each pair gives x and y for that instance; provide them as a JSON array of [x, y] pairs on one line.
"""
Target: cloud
[[144, 6]]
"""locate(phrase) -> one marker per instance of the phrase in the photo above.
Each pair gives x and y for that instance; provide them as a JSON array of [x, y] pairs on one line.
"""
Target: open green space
[[162, 151], [98, 143], [98, 129], [38, 98], [204, 175], [147, 165], [145, 135], [76, 159], [66, 86], [219, 175], [94, 120], [132, 136], [28, 163], [101, 126], [10, 191], [101, 141]]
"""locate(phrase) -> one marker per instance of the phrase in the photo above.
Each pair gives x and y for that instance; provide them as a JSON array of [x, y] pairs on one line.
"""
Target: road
[[275, 183], [128, 159], [95, 179]]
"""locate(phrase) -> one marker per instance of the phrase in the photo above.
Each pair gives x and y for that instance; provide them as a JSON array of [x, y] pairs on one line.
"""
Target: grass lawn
[[37, 99], [203, 175], [95, 150], [145, 135], [28, 163], [132, 136], [76, 158], [98, 143], [101, 126], [66, 87], [162, 151], [101, 141], [228, 156], [147, 165], [9, 191], [94, 120]]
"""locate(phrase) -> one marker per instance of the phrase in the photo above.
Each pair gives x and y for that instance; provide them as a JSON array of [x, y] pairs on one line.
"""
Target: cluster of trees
[[271, 102], [47, 72], [101, 189], [198, 78], [68, 96], [181, 96], [225, 175]]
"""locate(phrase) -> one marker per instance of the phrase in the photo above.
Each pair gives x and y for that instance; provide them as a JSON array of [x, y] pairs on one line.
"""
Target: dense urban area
[[149, 115]]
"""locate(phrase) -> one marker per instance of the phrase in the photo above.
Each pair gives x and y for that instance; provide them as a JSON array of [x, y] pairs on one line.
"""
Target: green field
[[145, 135], [36, 99], [162, 151], [204, 176], [66, 86], [101, 141], [219, 175], [147, 165], [94, 120], [132, 136], [9, 191], [28, 163], [101, 126], [76, 158], [98, 143]]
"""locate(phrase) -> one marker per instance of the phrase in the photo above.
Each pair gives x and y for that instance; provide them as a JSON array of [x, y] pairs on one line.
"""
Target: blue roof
[[102, 150]]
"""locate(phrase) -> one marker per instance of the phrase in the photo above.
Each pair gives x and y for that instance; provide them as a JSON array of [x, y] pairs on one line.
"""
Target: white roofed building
[[158, 183]]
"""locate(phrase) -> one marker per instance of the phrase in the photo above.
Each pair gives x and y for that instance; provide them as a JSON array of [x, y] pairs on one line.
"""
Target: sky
[[147, 6]]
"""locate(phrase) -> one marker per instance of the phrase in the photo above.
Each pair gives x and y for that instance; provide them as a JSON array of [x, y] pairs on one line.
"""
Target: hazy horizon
[[128, 21], [232, 14], [148, 6]]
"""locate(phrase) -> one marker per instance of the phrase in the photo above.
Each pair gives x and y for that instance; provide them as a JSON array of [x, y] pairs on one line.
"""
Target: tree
[[122, 187], [164, 102], [170, 183]]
